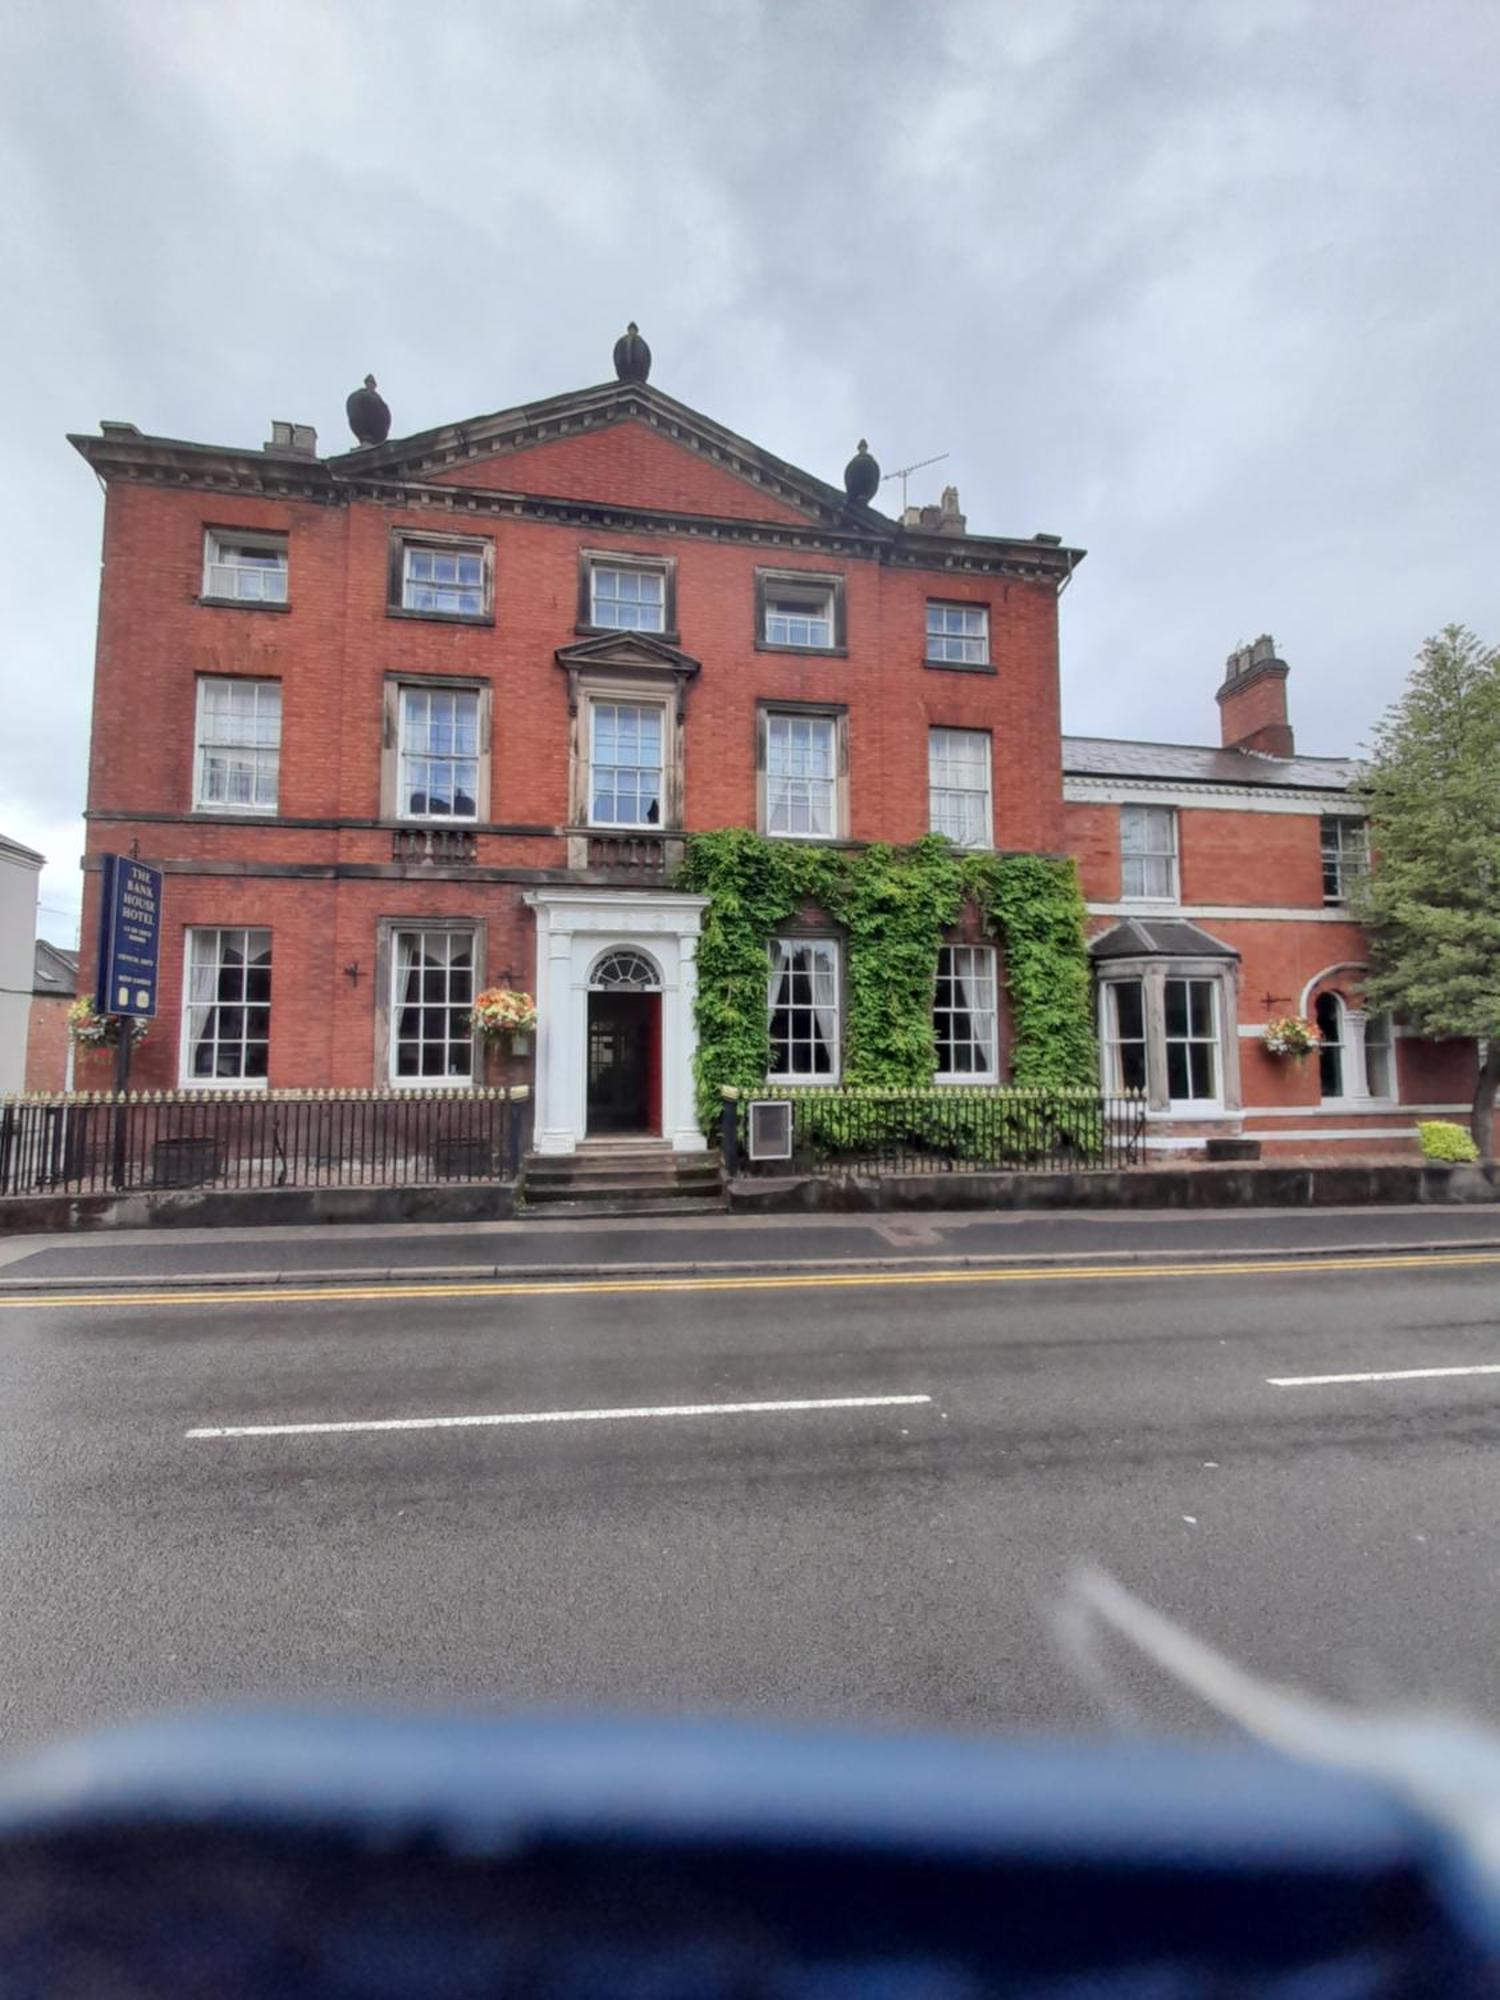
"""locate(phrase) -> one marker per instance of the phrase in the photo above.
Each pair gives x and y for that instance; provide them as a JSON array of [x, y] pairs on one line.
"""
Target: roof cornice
[[408, 472]]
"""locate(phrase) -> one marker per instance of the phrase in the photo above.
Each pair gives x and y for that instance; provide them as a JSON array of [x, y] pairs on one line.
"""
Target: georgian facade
[[440, 712]]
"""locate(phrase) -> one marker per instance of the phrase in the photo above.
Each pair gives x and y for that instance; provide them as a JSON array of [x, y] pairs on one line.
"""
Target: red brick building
[[436, 714], [1217, 884]]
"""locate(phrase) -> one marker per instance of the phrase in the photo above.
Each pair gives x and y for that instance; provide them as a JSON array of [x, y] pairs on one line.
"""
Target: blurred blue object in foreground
[[293, 1855]]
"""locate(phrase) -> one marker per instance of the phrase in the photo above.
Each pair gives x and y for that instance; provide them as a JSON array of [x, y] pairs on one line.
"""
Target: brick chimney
[[1252, 701]]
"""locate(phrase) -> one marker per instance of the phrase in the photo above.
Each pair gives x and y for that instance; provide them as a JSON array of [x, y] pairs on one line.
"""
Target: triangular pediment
[[628, 652], [620, 444]]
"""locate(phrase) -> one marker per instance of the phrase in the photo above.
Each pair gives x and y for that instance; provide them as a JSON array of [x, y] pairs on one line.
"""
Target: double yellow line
[[783, 1281]]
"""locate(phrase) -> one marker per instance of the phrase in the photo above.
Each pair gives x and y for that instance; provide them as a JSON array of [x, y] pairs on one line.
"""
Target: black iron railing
[[949, 1130], [249, 1139]]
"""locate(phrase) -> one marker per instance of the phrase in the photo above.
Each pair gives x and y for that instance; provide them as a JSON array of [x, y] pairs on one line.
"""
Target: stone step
[[586, 1209], [623, 1190], [668, 1171]]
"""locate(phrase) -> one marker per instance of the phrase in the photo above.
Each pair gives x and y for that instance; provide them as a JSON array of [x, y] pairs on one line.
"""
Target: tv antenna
[[904, 472]]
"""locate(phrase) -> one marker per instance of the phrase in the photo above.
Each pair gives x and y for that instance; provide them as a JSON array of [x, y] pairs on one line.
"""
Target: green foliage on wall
[[892, 905], [1036, 907]]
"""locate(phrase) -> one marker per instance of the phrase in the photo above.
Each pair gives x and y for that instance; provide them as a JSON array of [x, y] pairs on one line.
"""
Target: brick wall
[[335, 646], [47, 1042]]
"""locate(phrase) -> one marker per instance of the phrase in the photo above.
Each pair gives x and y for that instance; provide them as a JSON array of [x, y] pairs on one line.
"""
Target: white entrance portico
[[577, 929]]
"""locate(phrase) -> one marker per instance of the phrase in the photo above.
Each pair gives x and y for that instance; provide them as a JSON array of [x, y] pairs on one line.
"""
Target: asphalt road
[[898, 1562]]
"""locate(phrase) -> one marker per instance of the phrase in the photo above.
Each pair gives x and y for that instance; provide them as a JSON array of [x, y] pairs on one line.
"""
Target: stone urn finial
[[632, 355], [862, 475], [369, 416]]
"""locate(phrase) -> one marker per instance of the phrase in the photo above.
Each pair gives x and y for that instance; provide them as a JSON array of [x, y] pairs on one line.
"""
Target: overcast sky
[[1212, 290]]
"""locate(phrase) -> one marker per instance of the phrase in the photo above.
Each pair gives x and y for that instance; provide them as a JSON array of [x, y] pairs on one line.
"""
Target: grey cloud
[[1210, 291]]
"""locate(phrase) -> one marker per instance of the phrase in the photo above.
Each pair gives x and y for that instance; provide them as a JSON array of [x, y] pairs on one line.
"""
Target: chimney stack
[[292, 440], [944, 519], [1252, 701]]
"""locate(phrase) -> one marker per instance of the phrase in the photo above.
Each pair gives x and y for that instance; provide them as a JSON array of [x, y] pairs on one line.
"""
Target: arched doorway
[[623, 1089]]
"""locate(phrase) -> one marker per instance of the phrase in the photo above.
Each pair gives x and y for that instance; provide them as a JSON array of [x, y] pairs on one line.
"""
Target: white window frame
[[1152, 819], [1346, 853], [775, 786], [980, 960], [253, 752], [943, 772], [778, 953], [1112, 1041], [415, 543], [227, 581], [193, 939], [818, 598], [962, 644], [1213, 1040], [661, 712], [443, 692], [447, 1080], [620, 567], [1385, 1041]]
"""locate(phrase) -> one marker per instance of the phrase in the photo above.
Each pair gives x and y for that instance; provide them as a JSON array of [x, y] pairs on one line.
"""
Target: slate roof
[[1158, 937], [1199, 764], [55, 971]]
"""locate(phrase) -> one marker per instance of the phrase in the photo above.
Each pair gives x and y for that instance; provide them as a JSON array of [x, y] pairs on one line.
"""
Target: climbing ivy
[[893, 905]]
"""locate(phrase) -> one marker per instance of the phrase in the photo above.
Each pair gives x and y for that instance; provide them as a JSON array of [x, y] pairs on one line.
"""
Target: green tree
[[1431, 901]]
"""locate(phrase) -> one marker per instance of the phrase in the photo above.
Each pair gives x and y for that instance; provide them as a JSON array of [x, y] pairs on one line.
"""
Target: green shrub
[[893, 905], [1444, 1141]]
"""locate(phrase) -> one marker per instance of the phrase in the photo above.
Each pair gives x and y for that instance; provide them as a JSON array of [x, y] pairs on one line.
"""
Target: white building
[[20, 869]]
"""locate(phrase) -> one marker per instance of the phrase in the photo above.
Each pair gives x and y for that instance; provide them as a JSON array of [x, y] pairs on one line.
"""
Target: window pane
[[799, 617], [802, 1002], [958, 765], [1130, 1012], [801, 785], [958, 632], [239, 743], [223, 1038], [438, 774], [449, 581], [432, 989], [253, 570], [963, 1020], [626, 775]]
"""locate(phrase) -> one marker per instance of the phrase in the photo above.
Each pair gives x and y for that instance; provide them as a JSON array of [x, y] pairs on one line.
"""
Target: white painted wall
[[20, 873]]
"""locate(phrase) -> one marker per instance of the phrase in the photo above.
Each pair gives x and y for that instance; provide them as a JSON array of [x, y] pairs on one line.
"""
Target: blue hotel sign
[[129, 937]]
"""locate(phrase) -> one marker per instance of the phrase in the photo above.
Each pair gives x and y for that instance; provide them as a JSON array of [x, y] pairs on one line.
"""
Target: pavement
[[785, 1491], [705, 1244]]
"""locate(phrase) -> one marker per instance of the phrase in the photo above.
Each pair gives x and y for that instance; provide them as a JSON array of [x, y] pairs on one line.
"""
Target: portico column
[[679, 1115], [557, 1040], [1356, 1077]]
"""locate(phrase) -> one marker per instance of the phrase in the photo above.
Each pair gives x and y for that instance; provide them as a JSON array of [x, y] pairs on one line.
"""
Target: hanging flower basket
[[499, 1014], [1290, 1035], [99, 1031]]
